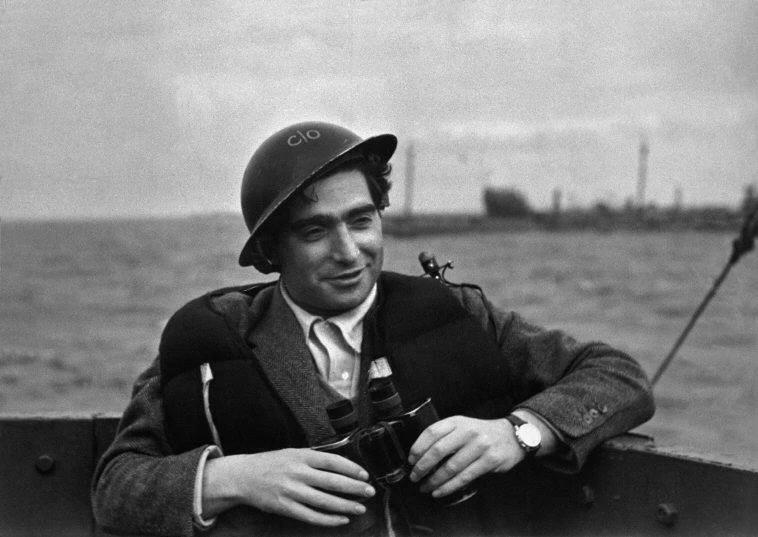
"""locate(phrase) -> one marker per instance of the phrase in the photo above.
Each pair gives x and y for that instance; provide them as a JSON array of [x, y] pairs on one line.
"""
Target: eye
[[362, 221], [312, 233]]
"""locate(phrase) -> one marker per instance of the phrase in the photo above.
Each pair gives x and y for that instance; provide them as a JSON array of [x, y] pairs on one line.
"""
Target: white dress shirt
[[335, 342]]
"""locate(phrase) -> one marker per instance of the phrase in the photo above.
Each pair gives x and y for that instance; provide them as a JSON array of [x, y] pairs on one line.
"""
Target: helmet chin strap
[[263, 262]]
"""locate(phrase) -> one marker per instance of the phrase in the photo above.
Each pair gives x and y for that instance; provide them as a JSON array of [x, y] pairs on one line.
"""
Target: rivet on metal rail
[[666, 514], [44, 464]]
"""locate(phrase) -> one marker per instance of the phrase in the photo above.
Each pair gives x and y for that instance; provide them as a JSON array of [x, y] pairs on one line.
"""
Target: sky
[[121, 109]]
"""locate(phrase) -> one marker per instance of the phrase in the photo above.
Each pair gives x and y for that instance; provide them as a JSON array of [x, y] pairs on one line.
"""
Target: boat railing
[[628, 487]]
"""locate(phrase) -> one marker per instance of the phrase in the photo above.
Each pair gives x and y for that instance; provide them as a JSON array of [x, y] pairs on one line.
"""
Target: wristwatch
[[527, 434]]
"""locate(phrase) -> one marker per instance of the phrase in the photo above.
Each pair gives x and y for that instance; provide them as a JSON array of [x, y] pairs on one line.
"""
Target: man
[[217, 436]]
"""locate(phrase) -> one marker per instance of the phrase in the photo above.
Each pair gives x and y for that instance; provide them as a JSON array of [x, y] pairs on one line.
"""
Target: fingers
[[436, 443], [326, 503], [444, 482], [326, 498], [314, 487], [337, 464], [341, 484], [298, 511], [333, 484], [429, 437], [459, 463], [335, 473], [452, 455]]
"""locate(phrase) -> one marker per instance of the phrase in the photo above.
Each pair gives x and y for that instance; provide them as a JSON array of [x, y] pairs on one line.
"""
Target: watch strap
[[515, 420], [517, 423]]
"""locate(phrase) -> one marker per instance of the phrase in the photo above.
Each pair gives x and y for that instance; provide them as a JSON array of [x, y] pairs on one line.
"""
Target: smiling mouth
[[348, 276]]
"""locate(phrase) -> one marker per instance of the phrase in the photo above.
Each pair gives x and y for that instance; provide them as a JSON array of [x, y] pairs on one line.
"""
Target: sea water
[[82, 305]]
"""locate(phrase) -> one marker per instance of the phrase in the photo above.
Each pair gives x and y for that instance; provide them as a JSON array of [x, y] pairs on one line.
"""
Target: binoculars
[[383, 447]]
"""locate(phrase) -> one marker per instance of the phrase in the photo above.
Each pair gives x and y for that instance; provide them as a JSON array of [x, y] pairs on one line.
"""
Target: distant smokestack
[[410, 172], [642, 173], [557, 198], [678, 198]]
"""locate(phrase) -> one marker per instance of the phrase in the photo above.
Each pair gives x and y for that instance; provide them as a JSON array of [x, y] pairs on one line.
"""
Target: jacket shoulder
[[470, 296], [201, 332]]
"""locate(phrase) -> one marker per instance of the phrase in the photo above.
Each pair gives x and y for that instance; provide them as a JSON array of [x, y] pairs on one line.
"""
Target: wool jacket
[[586, 392], [442, 354]]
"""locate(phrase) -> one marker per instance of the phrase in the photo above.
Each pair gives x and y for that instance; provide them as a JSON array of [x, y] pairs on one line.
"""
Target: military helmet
[[287, 160]]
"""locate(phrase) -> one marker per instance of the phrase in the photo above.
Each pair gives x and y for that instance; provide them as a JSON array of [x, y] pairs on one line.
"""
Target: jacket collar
[[279, 346], [349, 322]]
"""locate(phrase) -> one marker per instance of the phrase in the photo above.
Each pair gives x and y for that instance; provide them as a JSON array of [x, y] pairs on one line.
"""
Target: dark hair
[[374, 170], [377, 175]]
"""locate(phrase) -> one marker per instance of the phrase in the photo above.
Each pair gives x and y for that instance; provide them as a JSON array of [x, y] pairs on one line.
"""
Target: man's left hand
[[467, 449]]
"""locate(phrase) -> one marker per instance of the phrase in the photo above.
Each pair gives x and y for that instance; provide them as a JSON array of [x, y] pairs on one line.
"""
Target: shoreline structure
[[706, 219]]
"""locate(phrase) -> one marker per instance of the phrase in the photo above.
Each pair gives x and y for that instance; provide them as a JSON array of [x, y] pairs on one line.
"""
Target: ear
[[265, 246]]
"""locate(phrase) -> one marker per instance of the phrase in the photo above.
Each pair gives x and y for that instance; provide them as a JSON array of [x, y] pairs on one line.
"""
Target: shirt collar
[[349, 322]]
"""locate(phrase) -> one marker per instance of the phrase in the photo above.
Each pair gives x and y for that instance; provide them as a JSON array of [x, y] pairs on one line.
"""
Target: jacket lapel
[[279, 345]]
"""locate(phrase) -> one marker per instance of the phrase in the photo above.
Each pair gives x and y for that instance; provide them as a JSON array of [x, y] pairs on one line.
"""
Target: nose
[[344, 246]]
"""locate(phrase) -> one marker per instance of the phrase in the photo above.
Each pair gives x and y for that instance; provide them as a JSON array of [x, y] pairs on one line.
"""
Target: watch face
[[529, 435]]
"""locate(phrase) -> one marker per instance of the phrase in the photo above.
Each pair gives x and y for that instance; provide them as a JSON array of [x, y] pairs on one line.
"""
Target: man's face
[[331, 252]]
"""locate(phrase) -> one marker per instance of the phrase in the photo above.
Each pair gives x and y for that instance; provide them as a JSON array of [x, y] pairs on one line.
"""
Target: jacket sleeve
[[588, 392], [139, 485]]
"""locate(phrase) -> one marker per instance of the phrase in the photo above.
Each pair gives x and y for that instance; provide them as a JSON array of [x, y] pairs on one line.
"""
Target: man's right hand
[[303, 484]]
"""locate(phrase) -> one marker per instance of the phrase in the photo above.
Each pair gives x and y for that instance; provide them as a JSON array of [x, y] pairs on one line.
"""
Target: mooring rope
[[744, 243]]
